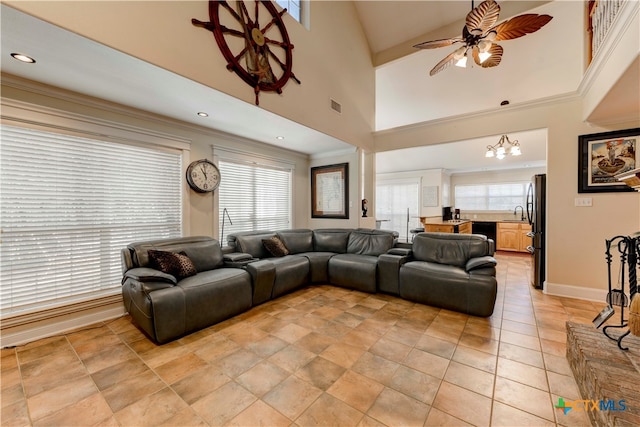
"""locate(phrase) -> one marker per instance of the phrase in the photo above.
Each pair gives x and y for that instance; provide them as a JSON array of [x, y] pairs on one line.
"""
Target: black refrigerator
[[536, 209]]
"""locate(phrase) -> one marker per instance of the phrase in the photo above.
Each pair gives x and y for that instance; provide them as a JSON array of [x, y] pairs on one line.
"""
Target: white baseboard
[[578, 292], [46, 328]]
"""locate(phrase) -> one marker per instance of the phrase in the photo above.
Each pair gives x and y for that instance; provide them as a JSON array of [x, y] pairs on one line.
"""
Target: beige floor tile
[[508, 416], [200, 383], [428, 363], [329, 411], [176, 370], [476, 342], [186, 417], [473, 379], [266, 346], [262, 378], [522, 373], [238, 362], [532, 343], [404, 336], [57, 398], [356, 390], [563, 385], [216, 349], [315, 342], [89, 411], [375, 367], [394, 408], [475, 410], [476, 359], [292, 358], [292, 397], [246, 335], [221, 406], [151, 410], [438, 418], [521, 354], [320, 373], [259, 414], [110, 356], [125, 392], [122, 371], [524, 397], [11, 395], [390, 350], [436, 346], [48, 348], [415, 384], [519, 327], [16, 414], [342, 354], [291, 332]]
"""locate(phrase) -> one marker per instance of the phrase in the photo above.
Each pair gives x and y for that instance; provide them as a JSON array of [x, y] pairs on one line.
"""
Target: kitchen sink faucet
[[515, 211]]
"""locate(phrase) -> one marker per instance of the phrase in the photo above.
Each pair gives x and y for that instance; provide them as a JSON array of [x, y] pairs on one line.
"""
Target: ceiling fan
[[480, 34]]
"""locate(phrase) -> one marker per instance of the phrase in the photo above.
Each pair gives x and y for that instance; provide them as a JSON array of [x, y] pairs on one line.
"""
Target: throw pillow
[[178, 265], [275, 246]]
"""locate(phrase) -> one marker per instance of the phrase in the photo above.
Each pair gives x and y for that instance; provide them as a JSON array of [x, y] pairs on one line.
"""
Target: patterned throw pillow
[[275, 246], [178, 265]]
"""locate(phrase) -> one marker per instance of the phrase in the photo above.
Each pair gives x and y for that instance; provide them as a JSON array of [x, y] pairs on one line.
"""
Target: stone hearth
[[604, 372]]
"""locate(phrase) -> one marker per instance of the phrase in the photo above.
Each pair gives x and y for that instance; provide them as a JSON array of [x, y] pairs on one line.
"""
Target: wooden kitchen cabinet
[[512, 236], [463, 227]]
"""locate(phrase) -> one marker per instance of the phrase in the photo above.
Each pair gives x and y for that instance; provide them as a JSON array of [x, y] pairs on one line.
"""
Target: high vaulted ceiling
[[391, 28]]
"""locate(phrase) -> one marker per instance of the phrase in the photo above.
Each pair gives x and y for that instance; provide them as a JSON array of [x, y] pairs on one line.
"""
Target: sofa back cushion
[[449, 248], [331, 240], [204, 251], [297, 240], [369, 242], [252, 244]]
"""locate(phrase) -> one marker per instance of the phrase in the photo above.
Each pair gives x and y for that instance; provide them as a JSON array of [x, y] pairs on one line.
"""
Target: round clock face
[[254, 40], [203, 176]]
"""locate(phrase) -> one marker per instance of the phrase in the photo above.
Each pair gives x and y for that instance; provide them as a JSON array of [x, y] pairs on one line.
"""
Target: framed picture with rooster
[[601, 156]]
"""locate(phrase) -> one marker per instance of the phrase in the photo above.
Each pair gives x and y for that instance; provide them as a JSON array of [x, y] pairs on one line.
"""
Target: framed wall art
[[330, 191], [601, 156]]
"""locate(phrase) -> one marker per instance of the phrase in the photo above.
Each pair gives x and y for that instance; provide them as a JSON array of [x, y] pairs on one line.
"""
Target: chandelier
[[501, 151]]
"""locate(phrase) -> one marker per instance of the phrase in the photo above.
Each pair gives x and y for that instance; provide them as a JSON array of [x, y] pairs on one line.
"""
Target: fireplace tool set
[[628, 249]]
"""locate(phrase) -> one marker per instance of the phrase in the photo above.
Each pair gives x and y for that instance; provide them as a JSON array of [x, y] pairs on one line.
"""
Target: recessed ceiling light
[[23, 58], [203, 114], [280, 137]]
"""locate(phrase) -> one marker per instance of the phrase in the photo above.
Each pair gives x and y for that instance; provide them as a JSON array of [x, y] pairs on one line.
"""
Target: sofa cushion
[[275, 246], [178, 265], [365, 243], [252, 244], [331, 240], [449, 248], [297, 240], [204, 251]]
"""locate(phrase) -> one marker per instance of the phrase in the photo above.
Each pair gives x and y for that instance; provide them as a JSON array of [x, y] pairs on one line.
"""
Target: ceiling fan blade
[[446, 62], [520, 26], [483, 17], [433, 44], [492, 61]]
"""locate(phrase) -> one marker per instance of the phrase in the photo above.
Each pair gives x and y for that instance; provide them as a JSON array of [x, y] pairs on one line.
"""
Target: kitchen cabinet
[[512, 236]]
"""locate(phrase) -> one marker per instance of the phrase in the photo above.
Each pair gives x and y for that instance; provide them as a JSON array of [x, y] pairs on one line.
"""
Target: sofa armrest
[[389, 272], [238, 259], [145, 274], [481, 262], [263, 276], [400, 251]]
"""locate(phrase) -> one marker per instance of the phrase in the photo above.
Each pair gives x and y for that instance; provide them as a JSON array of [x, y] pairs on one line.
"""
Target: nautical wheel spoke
[[231, 11], [231, 31], [277, 43], [273, 55], [246, 14]]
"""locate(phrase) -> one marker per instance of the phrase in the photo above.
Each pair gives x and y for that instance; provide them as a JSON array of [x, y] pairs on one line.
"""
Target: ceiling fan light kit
[[480, 35], [499, 150]]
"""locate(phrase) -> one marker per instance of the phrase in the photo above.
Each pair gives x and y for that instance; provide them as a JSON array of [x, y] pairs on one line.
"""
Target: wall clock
[[203, 176], [254, 41]]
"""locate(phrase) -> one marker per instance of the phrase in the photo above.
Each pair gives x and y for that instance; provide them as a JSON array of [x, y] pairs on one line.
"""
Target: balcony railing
[[602, 14]]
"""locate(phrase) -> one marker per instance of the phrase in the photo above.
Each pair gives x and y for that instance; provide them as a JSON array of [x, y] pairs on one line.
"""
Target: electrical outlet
[[584, 201]]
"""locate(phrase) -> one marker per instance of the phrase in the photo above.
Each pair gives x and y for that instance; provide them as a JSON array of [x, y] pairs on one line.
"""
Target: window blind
[[393, 199], [490, 197], [256, 197], [69, 205]]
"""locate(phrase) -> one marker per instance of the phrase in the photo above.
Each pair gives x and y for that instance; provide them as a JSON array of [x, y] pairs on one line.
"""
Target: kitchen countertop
[[436, 221]]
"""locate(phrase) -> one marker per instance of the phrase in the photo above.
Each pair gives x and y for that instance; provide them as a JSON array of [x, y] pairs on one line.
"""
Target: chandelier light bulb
[[500, 151]]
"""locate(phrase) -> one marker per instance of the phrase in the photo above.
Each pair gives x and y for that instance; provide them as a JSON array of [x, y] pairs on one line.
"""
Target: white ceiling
[[387, 24]]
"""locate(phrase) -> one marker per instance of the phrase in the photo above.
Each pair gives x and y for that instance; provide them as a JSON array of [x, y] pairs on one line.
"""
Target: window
[[397, 206], [256, 197], [293, 8], [490, 197], [69, 205]]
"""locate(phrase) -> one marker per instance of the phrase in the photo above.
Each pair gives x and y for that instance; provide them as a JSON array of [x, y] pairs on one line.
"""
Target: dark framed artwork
[[330, 191], [601, 156]]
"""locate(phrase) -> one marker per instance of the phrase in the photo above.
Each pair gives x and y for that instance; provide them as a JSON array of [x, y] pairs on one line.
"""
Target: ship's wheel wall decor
[[254, 41]]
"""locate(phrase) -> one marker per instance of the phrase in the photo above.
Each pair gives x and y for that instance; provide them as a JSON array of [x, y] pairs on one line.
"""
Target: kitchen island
[[436, 225]]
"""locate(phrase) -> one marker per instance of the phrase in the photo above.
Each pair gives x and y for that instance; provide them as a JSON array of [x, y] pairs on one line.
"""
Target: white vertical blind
[[393, 199], [69, 205], [256, 197]]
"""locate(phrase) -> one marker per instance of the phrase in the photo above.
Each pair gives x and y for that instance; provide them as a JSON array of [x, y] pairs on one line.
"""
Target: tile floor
[[320, 356]]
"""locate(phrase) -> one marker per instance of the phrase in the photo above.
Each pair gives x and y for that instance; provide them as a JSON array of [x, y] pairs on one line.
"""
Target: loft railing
[[602, 14]]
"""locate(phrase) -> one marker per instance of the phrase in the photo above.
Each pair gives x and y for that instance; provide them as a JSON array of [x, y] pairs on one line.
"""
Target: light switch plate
[[584, 201]]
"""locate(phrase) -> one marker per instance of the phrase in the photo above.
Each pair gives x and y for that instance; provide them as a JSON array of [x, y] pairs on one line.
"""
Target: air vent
[[336, 106]]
